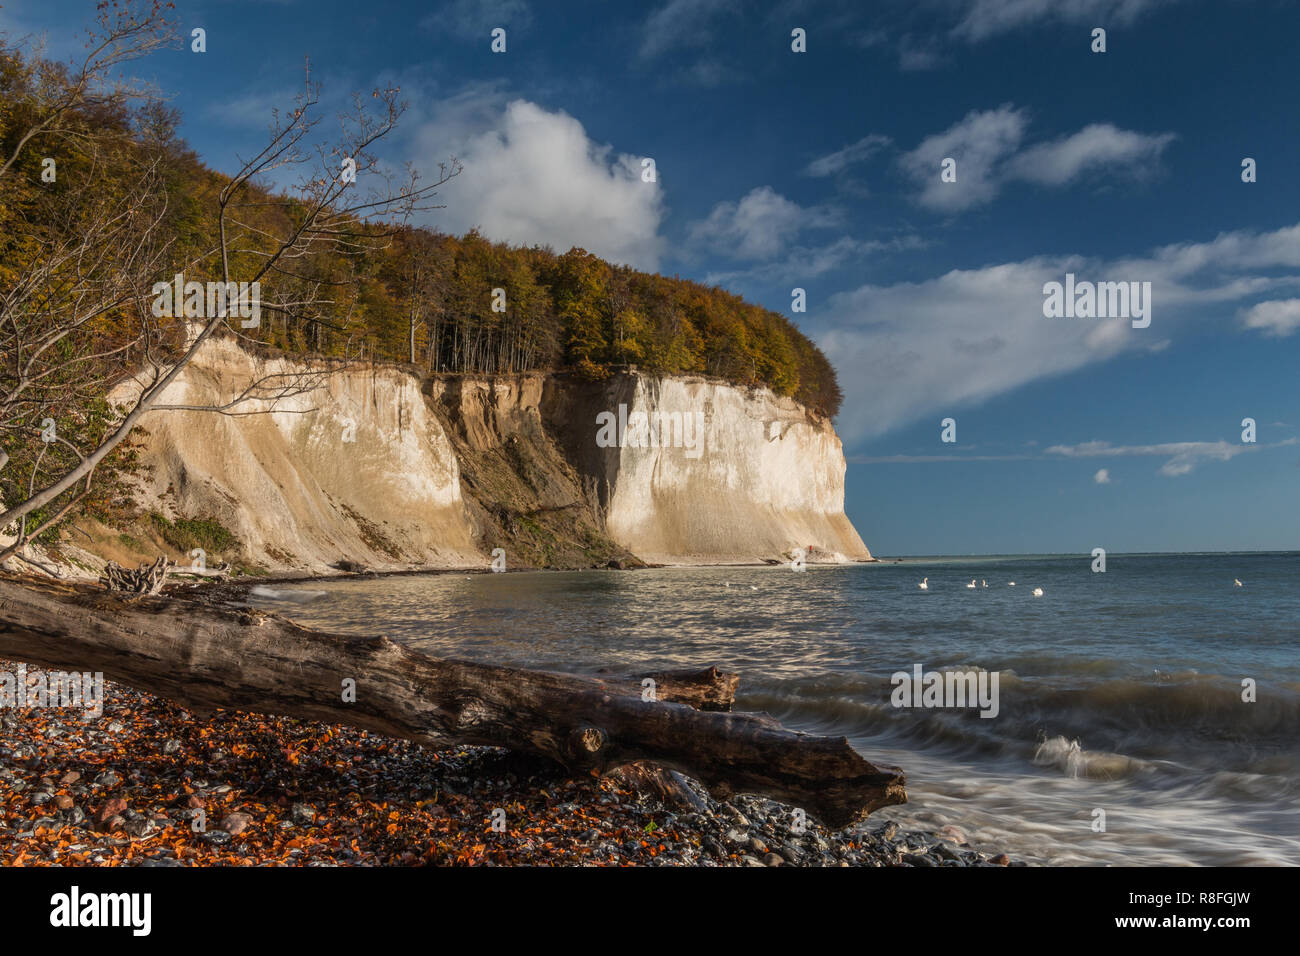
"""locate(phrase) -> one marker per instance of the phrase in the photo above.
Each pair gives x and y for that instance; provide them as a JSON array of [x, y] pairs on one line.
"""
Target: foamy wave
[[278, 594], [1068, 756]]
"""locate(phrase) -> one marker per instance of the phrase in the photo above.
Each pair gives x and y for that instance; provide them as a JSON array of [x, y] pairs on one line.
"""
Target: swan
[[1038, 592], [1237, 582], [983, 583], [925, 584], [972, 584], [1011, 584]]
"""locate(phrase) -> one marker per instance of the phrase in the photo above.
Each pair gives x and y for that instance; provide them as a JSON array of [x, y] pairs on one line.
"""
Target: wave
[[291, 595], [1106, 729], [1068, 756]]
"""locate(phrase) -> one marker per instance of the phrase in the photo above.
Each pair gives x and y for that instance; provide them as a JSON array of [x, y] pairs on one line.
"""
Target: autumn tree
[[82, 292]]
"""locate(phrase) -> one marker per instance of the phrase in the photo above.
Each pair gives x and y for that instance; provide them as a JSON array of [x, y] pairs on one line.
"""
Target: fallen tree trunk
[[207, 658]]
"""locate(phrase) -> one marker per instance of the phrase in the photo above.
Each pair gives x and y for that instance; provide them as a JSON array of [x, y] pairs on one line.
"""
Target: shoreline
[[212, 581], [276, 578], [211, 588], [130, 786]]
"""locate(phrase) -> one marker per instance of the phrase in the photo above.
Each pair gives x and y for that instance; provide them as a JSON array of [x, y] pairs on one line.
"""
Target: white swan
[[1011, 584], [1038, 592], [1237, 582], [972, 584], [925, 584], [983, 583]]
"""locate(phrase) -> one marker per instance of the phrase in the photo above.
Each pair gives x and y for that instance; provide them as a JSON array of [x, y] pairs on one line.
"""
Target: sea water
[[1120, 692]]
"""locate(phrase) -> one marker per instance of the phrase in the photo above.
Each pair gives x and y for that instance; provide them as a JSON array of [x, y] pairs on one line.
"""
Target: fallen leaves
[[304, 794]]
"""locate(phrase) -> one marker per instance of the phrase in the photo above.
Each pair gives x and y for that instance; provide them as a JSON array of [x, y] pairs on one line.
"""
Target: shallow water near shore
[[1118, 691]]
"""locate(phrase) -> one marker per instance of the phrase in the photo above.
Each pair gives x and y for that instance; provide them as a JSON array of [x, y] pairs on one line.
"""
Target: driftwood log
[[206, 658], [147, 579]]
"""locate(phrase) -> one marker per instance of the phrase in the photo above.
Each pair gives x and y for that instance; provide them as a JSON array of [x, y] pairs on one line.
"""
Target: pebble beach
[[146, 783]]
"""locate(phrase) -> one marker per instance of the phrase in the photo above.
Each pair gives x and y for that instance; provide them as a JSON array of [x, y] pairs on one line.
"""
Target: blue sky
[[821, 170]]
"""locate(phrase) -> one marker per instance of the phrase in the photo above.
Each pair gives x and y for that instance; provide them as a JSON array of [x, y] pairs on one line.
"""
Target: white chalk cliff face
[[362, 468], [358, 469], [763, 479]]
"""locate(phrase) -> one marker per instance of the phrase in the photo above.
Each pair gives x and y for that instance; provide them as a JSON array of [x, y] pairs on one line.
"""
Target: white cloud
[[1100, 145], [841, 159], [915, 55], [255, 109], [802, 262], [987, 18], [476, 19], [912, 349], [534, 176], [759, 226], [681, 23], [704, 73], [1183, 456], [978, 143], [930, 459], [987, 148], [1279, 318]]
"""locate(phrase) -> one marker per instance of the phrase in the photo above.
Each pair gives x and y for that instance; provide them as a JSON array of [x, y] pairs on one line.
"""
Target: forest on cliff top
[[417, 296]]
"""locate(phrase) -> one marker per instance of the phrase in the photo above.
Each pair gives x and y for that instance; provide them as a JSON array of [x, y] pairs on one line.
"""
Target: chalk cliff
[[764, 476], [378, 467]]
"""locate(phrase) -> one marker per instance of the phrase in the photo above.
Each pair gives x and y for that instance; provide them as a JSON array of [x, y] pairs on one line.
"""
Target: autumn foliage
[[416, 296]]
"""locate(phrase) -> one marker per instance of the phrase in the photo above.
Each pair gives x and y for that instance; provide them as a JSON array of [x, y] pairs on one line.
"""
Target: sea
[[1147, 714]]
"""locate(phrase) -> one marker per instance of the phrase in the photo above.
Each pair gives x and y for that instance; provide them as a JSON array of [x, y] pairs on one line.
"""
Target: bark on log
[[207, 658], [708, 689]]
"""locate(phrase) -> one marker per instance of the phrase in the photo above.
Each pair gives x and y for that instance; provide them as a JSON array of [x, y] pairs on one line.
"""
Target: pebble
[[110, 809], [139, 828], [236, 823]]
